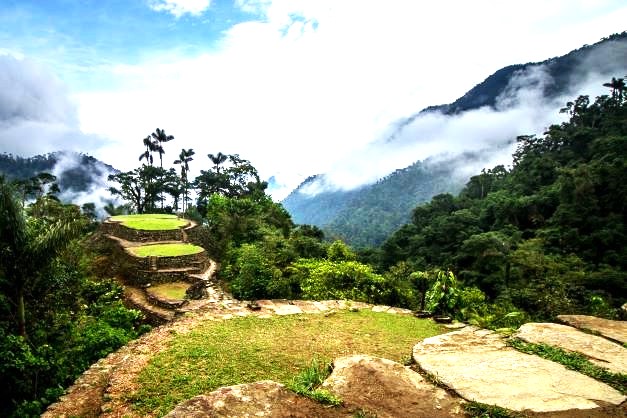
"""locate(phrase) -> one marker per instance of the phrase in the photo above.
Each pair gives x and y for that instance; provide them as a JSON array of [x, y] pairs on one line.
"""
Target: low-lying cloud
[[488, 133]]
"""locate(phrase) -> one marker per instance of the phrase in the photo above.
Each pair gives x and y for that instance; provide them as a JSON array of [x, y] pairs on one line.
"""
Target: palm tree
[[27, 247], [618, 89], [217, 160], [184, 158], [160, 137], [150, 148]]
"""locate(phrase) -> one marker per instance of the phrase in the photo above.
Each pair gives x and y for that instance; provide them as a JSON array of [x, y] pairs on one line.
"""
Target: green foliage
[[546, 236], [325, 279], [481, 410], [55, 320], [338, 251], [573, 361], [308, 381], [252, 273]]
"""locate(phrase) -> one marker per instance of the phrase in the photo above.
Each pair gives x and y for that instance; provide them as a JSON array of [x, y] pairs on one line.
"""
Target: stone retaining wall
[[138, 235]]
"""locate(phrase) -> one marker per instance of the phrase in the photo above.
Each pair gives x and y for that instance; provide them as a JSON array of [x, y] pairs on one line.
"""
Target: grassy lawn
[[243, 350], [165, 250], [175, 290], [150, 222]]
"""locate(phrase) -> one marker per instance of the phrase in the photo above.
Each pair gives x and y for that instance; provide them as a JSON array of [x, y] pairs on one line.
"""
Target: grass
[[573, 361], [165, 250], [151, 222], [308, 381], [244, 350], [481, 410], [175, 290]]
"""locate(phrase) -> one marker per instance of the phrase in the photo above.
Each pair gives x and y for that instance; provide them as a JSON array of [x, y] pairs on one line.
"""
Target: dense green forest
[[542, 238], [548, 235]]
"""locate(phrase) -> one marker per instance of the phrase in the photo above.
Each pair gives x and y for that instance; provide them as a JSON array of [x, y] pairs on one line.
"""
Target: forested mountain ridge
[[74, 171], [547, 235], [366, 215], [562, 70]]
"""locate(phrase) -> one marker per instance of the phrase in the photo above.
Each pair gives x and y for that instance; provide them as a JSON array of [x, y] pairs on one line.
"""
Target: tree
[[184, 158], [617, 86], [27, 245], [217, 159], [238, 179], [150, 148], [159, 138], [139, 187]]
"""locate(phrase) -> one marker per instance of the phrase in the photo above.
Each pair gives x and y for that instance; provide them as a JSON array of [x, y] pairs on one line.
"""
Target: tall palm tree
[[184, 158], [618, 89], [150, 148], [159, 138], [26, 247], [217, 159]]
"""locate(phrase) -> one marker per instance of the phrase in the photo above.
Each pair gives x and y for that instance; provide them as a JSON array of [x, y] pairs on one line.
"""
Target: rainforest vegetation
[[544, 237]]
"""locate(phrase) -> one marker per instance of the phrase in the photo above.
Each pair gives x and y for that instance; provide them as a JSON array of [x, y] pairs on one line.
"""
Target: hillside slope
[[365, 216]]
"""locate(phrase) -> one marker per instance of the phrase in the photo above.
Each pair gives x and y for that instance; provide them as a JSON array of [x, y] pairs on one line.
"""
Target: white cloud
[[180, 7], [311, 83]]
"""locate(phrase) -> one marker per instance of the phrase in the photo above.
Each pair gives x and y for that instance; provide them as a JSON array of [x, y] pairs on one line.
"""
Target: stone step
[[479, 366], [138, 299]]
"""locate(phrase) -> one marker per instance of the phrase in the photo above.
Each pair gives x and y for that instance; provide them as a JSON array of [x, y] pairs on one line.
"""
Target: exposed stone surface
[[599, 350], [259, 399], [388, 389], [478, 365], [615, 330]]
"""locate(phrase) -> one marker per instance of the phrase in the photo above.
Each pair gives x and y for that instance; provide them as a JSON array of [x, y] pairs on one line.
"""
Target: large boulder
[[614, 330], [597, 349], [479, 366], [389, 389], [259, 399]]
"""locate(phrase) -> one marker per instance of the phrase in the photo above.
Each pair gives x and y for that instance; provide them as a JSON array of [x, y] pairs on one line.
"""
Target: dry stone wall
[[137, 235]]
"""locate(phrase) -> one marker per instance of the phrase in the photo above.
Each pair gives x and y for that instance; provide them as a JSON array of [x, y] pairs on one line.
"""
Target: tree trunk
[[21, 313]]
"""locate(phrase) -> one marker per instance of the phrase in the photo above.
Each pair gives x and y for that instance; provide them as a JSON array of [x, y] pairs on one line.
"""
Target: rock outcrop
[[389, 389], [478, 365], [259, 399], [597, 349], [614, 330]]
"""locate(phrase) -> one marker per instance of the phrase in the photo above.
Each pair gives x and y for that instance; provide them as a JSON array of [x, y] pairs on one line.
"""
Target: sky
[[298, 87]]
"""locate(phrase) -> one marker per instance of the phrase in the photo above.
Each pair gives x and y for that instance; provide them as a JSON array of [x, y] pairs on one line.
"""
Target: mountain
[[365, 216], [76, 173]]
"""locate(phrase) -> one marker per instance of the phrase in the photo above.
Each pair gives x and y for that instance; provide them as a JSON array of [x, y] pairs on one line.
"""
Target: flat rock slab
[[599, 350], [615, 330], [479, 366], [388, 389], [259, 399]]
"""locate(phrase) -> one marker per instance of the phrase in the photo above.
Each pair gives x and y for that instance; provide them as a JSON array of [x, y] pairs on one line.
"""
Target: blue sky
[[296, 86]]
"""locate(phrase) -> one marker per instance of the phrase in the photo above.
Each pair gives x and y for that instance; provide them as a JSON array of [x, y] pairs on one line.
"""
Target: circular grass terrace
[[151, 221], [165, 250], [170, 291]]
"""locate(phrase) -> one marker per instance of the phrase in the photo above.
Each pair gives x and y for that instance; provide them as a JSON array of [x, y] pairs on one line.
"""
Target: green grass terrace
[[245, 350], [151, 222], [165, 250]]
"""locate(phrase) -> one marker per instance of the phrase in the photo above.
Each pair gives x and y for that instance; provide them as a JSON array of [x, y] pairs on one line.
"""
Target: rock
[[479, 366], [388, 389], [599, 351], [455, 325], [615, 330], [198, 290], [259, 399]]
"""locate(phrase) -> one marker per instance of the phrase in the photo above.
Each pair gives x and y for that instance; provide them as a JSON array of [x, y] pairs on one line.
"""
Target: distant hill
[[367, 215], [75, 172]]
